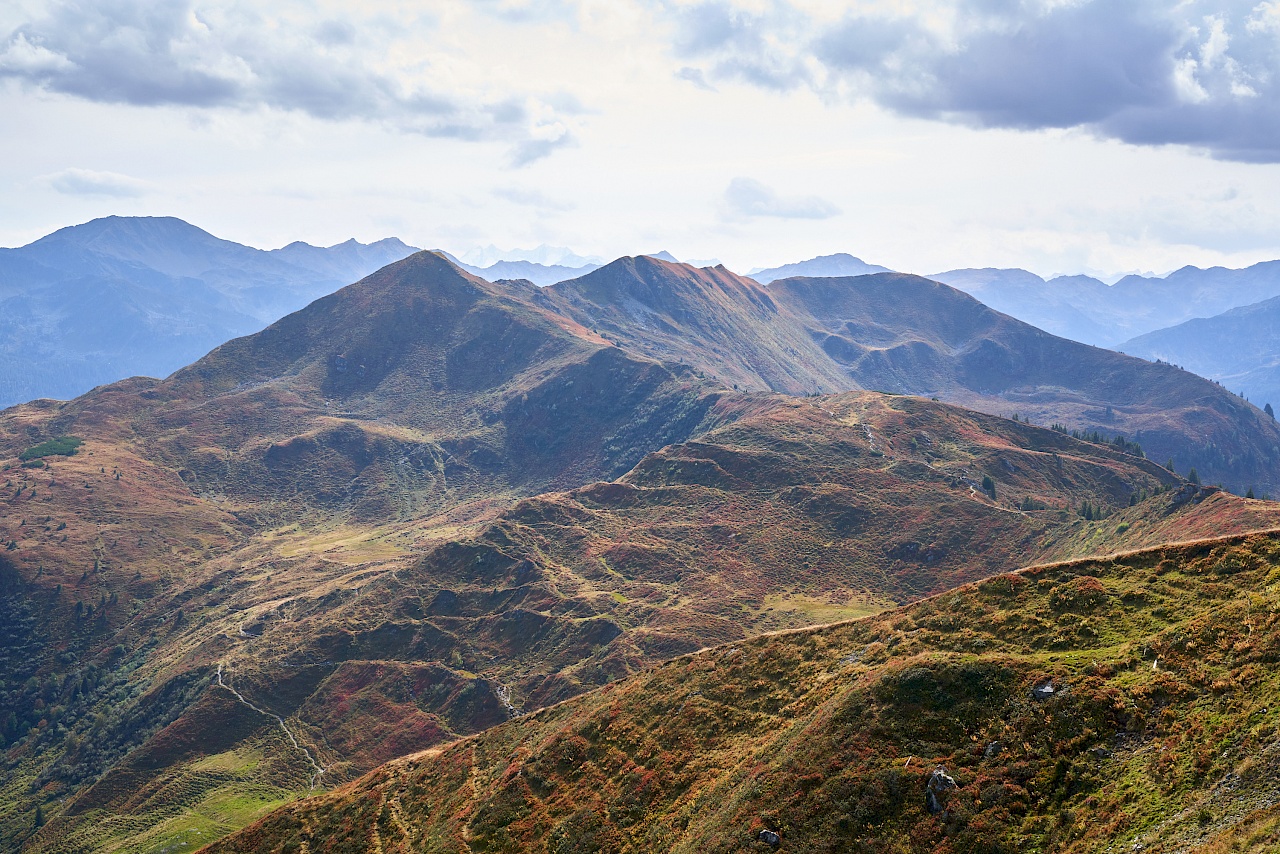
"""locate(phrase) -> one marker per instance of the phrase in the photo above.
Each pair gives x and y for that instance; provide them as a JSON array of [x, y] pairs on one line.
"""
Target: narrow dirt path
[[316, 769]]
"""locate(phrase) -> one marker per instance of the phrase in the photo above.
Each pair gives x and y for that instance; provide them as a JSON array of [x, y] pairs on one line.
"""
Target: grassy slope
[[1162, 732]]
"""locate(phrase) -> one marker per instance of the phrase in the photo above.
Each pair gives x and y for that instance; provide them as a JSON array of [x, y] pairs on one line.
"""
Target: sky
[[1061, 136]]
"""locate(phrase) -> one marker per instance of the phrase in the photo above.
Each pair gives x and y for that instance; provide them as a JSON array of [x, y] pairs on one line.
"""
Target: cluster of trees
[[62, 446], [1118, 442], [1092, 511]]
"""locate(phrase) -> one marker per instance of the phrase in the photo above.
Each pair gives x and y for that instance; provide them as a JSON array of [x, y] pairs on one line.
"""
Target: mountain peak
[[840, 264]]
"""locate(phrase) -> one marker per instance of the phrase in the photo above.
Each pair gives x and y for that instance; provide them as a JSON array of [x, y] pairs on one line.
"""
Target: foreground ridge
[[1122, 701]]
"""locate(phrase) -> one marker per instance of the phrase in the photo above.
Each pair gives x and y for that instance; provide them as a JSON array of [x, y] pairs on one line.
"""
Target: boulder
[[936, 789]]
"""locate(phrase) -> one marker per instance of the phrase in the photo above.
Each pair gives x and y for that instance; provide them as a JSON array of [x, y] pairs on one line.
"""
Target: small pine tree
[[1193, 477], [1249, 494], [39, 816], [989, 486], [1267, 409], [1169, 465]]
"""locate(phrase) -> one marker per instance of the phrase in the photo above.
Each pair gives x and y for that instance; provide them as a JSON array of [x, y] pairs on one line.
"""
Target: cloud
[[539, 147], [86, 182], [1204, 73], [532, 198], [747, 198], [695, 76], [217, 55]]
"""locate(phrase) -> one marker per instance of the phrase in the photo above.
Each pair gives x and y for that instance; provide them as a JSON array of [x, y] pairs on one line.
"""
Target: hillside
[[905, 334], [1097, 705], [373, 642], [1239, 348], [121, 296]]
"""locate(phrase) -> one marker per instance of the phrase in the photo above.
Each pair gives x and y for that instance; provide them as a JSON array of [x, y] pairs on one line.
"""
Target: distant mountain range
[[124, 296], [1082, 308], [1085, 309]]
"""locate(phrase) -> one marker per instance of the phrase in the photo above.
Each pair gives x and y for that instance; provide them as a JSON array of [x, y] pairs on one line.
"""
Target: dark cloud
[[747, 198], [1201, 73], [172, 53]]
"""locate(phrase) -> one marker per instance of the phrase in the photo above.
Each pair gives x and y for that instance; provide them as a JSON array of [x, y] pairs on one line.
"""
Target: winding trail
[[292, 739]]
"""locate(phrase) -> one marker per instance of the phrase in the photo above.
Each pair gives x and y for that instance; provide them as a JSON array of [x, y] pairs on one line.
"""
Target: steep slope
[[710, 318], [326, 450], [905, 334], [841, 264], [331, 543], [1239, 348], [1125, 703], [119, 296]]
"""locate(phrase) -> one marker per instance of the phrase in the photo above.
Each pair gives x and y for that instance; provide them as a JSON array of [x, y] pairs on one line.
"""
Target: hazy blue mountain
[[539, 274], [841, 264], [547, 256], [1239, 348], [1075, 307], [663, 255], [120, 296], [347, 261], [1086, 309]]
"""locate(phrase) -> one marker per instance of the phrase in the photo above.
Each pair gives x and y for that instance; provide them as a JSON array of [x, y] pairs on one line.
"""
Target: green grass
[[62, 446]]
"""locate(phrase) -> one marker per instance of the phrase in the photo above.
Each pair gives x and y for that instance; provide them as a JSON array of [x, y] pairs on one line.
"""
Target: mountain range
[[1085, 309], [171, 291], [120, 296], [431, 511]]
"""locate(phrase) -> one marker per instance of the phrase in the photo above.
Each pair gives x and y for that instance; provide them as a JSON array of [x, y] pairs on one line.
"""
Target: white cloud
[[87, 182], [748, 198]]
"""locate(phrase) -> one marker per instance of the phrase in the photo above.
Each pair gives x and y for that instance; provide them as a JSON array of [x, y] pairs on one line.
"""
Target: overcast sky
[[1056, 135]]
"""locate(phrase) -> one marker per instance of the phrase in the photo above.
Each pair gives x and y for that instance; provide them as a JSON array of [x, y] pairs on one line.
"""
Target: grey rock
[[1046, 690], [936, 789], [993, 749], [770, 838]]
